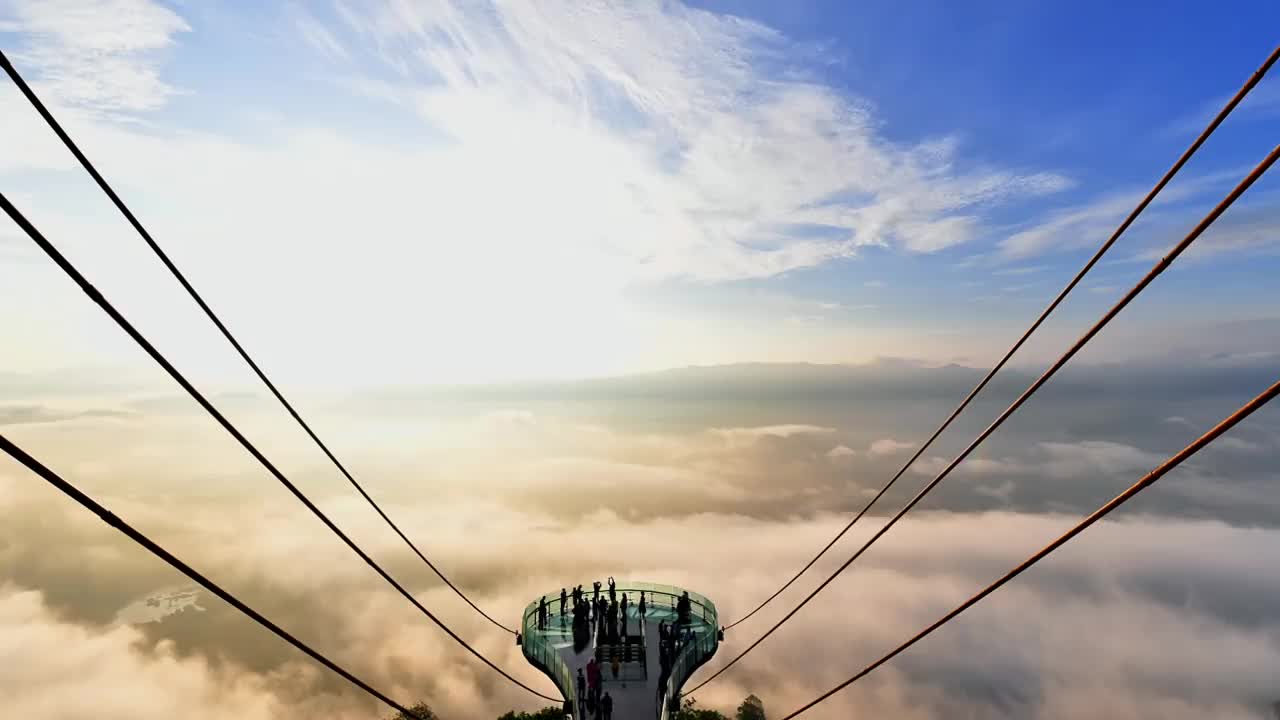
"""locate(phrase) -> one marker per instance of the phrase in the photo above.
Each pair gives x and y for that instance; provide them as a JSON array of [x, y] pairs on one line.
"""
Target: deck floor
[[632, 699]]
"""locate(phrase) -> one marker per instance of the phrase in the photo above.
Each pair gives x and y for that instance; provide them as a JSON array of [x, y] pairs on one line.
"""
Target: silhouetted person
[[564, 601], [683, 607], [595, 591], [542, 613], [593, 680], [625, 602], [612, 590], [582, 686], [581, 628], [642, 605], [606, 704]]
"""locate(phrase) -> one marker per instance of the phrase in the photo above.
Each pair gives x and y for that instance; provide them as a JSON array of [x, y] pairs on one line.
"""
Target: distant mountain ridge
[[890, 384]]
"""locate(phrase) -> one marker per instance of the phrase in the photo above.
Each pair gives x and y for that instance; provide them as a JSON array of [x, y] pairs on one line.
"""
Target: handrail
[[537, 648], [553, 601], [689, 659]]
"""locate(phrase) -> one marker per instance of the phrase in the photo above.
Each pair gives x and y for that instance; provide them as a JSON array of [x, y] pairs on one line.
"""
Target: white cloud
[[1001, 492], [930, 466], [1188, 608], [1089, 224], [782, 431], [1261, 103], [1096, 456], [887, 446], [993, 466], [1023, 270], [581, 153], [841, 451], [685, 105], [972, 466], [1069, 229], [318, 35], [1054, 460], [1252, 229], [105, 673], [94, 54], [1237, 444], [1155, 590], [1015, 289]]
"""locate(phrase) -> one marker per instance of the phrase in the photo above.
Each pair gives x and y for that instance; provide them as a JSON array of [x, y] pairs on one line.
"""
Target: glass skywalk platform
[[644, 688]]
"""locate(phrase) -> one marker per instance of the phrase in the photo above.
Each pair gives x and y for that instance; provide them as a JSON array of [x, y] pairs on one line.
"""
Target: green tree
[[750, 709], [689, 710], [550, 712], [421, 710]]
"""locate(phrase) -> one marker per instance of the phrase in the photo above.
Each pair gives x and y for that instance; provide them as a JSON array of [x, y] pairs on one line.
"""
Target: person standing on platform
[[642, 606], [582, 689], [564, 601], [612, 590], [593, 680], [606, 704], [542, 613]]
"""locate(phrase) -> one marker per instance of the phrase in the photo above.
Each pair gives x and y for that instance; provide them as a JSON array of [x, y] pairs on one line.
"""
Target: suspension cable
[[1235, 100], [1155, 271], [137, 536], [1142, 484], [182, 280], [173, 372]]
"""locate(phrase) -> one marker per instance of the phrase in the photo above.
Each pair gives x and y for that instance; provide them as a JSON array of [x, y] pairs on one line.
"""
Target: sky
[[439, 193], [576, 287]]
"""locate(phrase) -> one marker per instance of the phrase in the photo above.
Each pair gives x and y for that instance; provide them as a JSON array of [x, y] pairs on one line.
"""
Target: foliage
[[749, 710], [689, 710], [550, 712], [422, 710]]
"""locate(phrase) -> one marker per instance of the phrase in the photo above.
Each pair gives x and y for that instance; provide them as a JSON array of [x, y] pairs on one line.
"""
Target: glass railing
[[656, 595], [688, 659], [538, 647]]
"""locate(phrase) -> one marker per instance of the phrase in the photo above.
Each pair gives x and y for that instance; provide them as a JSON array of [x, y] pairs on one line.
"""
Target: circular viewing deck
[[648, 676]]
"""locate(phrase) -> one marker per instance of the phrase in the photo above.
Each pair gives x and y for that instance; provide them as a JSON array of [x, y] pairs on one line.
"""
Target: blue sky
[[567, 190]]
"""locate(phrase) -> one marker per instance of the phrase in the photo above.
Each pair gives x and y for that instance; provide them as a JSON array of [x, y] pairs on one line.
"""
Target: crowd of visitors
[[606, 617]]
